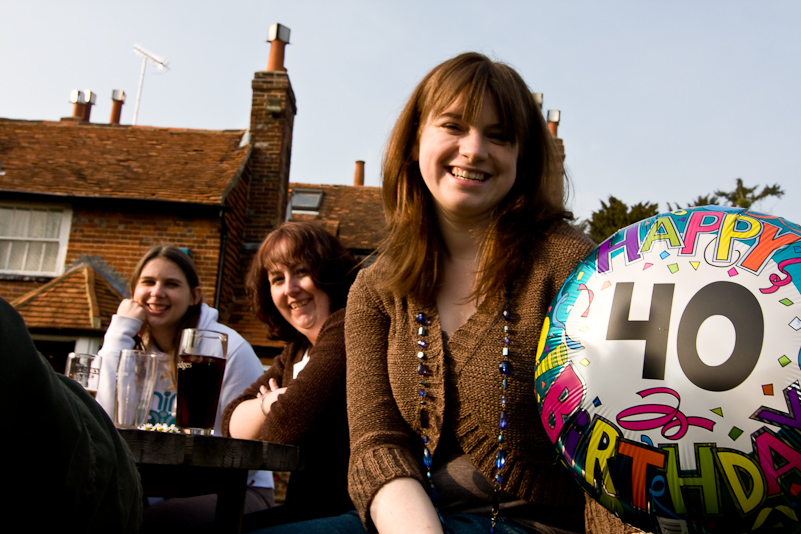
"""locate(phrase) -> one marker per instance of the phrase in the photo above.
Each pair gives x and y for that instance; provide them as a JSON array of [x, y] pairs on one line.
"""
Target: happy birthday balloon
[[668, 372]]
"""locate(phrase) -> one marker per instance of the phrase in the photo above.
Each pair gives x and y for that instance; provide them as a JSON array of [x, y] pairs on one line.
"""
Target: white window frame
[[63, 238]]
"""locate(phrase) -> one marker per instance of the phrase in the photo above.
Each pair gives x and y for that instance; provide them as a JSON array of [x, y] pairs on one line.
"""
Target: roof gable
[[80, 299], [123, 162]]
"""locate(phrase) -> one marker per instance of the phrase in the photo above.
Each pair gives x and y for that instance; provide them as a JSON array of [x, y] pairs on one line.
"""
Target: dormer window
[[306, 201], [33, 239]]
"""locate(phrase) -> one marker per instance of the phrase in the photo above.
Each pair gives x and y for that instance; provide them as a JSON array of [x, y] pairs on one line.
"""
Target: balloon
[[668, 372]]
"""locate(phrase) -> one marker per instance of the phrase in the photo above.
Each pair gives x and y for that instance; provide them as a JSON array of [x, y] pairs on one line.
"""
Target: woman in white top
[[166, 297]]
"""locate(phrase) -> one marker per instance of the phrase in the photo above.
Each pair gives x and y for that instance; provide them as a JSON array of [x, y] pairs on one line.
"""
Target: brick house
[[81, 202]]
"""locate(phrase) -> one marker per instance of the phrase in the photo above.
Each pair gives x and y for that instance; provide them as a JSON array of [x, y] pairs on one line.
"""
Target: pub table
[[182, 465]]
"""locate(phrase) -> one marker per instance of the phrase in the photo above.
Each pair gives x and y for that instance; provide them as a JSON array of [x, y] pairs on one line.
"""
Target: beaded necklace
[[505, 369]]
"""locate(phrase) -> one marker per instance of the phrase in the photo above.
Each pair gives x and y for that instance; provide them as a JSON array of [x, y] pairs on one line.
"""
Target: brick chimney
[[117, 100], [272, 116], [358, 174]]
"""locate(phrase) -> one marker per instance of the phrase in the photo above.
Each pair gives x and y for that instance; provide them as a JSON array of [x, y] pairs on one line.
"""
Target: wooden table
[[181, 465]]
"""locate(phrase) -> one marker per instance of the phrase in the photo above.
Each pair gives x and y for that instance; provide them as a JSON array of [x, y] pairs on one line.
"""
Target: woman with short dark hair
[[298, 285]]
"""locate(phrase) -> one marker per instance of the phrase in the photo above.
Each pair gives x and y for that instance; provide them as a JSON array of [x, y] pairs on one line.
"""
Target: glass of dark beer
[[201, 366]]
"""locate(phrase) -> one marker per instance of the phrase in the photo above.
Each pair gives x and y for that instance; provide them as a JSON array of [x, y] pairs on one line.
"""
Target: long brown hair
[[331, 266], [182, 260], [535, 202]]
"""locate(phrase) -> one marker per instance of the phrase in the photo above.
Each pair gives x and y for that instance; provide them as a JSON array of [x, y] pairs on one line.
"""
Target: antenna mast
[[146, 56]]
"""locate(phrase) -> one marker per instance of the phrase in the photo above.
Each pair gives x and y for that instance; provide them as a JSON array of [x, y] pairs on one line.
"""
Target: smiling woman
[[166, 298], [298, 284], [468, 167]]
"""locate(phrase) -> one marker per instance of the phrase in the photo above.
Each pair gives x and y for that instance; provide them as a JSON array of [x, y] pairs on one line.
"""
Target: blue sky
[[661, 101]]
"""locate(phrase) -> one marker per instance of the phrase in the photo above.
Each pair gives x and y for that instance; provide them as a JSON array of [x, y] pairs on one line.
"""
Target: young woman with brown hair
[[442, 330], [166, 297]]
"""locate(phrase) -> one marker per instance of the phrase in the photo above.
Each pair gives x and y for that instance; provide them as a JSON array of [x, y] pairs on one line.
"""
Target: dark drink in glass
[[199, 383], [201, 367]]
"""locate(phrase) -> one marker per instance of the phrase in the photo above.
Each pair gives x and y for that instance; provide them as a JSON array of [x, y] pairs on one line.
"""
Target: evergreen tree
[[744, 197], [616, 215], [740, 197]]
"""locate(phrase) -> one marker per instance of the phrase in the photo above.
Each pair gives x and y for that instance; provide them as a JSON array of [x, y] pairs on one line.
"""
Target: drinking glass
[[136, 377], [202, 355], [84, 369]]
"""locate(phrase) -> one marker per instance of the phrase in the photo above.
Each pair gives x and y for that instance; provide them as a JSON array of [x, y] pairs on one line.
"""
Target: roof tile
[[354, 213], [125, 162], [79, 299]]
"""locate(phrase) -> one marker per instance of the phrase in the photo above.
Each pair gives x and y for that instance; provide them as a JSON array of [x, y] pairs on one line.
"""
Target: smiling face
[[162, 289], [304, 306], [468, 167]]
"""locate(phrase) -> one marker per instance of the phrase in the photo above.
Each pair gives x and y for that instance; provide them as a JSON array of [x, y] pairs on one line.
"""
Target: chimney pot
[[117, 100], [78, 100], [358, 174], [90, 98], [278, 37], [77, 97], [553, 121], [538, 99]]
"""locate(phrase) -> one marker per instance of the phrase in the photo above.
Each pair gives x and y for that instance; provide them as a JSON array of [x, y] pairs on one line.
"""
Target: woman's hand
[[267, 398], [134, 310], [248, 418]]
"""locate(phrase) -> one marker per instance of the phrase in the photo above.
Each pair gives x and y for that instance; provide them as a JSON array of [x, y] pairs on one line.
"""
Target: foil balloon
[[668, 373]]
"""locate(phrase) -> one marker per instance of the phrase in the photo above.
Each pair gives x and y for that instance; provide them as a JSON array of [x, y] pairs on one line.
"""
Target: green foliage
[[703, 200], [740, 197], [616, 215], [744, 197]]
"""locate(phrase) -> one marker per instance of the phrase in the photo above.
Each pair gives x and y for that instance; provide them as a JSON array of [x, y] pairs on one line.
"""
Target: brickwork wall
[[119, 238], [271, 139], [234, 266], [13, 288]]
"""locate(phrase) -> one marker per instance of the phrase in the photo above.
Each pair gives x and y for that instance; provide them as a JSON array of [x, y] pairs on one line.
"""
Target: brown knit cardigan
[[310, 414], [383, 400]]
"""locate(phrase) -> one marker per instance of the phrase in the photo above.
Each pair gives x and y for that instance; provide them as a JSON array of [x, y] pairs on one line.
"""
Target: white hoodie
[[242, 368]]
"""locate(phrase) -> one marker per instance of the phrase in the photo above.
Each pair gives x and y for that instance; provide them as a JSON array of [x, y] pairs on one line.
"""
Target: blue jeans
[[351, 524]]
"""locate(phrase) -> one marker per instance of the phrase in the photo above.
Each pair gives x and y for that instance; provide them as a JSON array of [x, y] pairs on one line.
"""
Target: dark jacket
[[65, 466], [311, 414]]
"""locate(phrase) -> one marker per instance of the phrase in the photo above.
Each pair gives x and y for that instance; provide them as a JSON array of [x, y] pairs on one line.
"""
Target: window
[[33, 239], [306, 200]]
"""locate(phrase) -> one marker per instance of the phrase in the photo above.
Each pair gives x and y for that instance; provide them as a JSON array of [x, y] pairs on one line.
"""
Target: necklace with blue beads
[[505, 370]]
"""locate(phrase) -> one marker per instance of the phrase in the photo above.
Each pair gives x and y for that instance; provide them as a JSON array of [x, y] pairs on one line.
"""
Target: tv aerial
[[160, 65]]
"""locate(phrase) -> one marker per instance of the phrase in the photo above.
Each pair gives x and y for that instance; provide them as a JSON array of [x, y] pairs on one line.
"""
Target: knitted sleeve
[[316, 393], [381, 445], [276, 371]]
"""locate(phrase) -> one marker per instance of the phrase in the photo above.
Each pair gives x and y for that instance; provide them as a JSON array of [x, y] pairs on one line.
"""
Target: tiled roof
[[125, 162], [354, 213], [80, 299]]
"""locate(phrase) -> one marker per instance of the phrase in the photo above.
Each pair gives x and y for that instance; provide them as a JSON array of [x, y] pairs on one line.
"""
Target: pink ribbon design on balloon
[[777, 280], [590, 294], [667, 417]]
